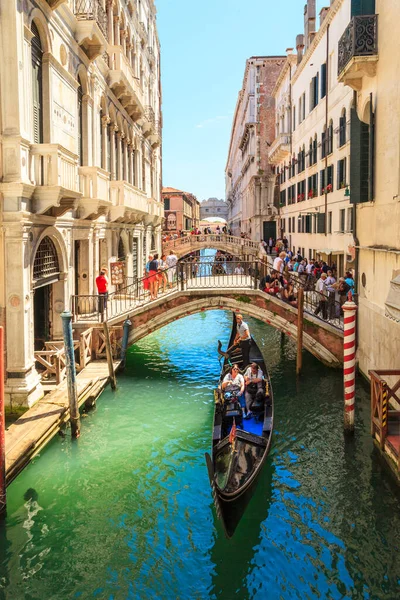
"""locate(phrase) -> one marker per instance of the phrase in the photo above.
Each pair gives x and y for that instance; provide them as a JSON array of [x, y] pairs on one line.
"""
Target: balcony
[[54, 172], [55, 3], [251, 122], [128, 202], [155, 135], [91, 30], [124, 84], [94, 186], [358, 51], [279, 149]]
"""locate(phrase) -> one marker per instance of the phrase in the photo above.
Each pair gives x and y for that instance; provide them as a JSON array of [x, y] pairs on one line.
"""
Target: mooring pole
[[71, 374], [300, 319], [2, 429], [109, 356], [124, 345], [349, 362]]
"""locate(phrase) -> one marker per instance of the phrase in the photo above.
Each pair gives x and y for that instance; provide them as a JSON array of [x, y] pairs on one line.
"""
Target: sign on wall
[[117, 273]]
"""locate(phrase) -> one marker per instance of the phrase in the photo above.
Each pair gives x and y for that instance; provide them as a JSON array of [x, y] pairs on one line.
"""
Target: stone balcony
[[279, 149], [91, 29], [55, 3], [358, 51], [54, 172], [125, 85], [128, 202], [94, 185], [251, 121]]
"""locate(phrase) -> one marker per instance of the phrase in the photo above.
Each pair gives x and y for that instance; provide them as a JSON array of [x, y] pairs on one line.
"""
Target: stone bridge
[[242, 248], [320, 338]]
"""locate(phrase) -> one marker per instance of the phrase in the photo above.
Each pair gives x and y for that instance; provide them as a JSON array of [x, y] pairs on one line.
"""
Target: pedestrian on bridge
[[102, 290], [171, 261]]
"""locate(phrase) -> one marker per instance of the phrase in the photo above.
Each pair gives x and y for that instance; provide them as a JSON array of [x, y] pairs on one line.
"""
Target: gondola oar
[[228, 352]]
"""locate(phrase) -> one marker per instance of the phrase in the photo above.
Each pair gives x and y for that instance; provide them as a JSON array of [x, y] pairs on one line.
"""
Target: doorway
[[41, 316], [269, 230]]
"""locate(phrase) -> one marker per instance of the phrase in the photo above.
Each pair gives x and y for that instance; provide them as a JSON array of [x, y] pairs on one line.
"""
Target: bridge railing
[[207, 274], [195, 241]]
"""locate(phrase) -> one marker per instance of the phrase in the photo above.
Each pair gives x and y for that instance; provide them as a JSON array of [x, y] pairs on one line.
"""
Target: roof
[[168, 190]]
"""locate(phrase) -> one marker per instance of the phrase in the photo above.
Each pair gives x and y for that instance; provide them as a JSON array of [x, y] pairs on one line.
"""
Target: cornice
[[333, 10]]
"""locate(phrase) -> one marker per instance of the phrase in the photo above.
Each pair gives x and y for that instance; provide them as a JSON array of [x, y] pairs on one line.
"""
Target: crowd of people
[[168, 237]]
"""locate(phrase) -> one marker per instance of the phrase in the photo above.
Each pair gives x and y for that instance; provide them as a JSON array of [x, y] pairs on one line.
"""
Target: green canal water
[[126, 511]]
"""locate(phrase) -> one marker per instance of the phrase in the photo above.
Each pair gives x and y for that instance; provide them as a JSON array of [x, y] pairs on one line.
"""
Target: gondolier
[[243, 338]]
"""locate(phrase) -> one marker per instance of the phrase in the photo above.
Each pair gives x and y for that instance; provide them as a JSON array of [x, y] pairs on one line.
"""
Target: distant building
[[250, 182], [214, 208], [181, 210]]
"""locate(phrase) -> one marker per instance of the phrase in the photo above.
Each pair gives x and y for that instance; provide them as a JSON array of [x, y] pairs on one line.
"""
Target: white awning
[[329, 251], [392, 304]]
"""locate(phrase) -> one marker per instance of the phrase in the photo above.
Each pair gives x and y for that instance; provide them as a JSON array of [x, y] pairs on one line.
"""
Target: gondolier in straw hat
[[243, 338]]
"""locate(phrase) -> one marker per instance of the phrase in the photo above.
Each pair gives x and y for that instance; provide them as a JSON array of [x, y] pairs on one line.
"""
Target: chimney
[[324, 11], [299, 47], [309, 22], [289, 51]]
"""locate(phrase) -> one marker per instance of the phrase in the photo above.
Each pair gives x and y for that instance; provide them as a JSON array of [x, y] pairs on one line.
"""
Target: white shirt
[[249, 373], [278, 264], [239, 271], [236, 382], [242, 328], [309, 268], [171, 260], [320, 286]]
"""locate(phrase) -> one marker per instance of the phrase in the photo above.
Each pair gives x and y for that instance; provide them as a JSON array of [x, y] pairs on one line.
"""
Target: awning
[[329, 251], [392, 304]]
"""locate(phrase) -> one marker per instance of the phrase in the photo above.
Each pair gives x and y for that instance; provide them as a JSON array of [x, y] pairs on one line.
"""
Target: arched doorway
[[46, 273]]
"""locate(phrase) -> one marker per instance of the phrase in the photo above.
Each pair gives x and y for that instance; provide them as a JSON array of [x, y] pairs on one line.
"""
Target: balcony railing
[[360, 38], [53, 165], [91, 10], [279, 148]]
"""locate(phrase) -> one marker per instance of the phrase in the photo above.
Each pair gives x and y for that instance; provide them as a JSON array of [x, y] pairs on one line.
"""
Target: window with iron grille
[[46, 260], [37, 86]]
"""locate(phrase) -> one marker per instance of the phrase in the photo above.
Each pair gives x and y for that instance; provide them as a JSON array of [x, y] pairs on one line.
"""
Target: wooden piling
[[66, 317], [300, 319], [2, 429], [109, 356]]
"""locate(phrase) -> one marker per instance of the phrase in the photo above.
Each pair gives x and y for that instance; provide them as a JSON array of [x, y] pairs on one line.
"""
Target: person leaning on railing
[[102, 290]]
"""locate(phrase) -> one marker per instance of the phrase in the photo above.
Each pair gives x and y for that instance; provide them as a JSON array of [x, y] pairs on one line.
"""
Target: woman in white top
[[233, 381], [279, 262]]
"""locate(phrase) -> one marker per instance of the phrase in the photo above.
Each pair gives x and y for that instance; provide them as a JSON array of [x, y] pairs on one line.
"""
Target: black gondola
[[239, 446]]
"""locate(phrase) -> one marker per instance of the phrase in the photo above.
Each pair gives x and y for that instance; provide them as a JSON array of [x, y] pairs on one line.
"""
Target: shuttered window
[[80, 123], [37, 87]]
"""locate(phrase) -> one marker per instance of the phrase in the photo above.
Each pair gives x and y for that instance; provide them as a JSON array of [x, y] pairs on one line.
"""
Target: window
[[37, 86], [329, 179], [293, 225], [312, 186], [301, 190], [46, 260], [290, 225], [323, 143], [341, 174], [315, 150], [304, 106], [321, 223], [342, 218], [310, 154], [79, 113], [342, 129], [322, 181], [294, 118], [330, 138], [350, 219], [323, 80], [314, 85], [167, 204], [308, 223], [282, 198], [330, 222]]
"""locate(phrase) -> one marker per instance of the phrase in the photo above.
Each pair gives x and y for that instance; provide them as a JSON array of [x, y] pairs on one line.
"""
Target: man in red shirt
[[102, 289]]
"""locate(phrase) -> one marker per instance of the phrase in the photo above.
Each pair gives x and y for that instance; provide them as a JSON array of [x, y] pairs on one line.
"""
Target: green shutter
[[362, 7], [359, 159], [321, 223]]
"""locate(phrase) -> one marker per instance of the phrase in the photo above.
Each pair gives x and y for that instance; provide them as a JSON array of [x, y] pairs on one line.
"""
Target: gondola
[[239, 446]]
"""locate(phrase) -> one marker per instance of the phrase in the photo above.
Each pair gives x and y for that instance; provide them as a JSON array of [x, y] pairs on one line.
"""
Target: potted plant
[[310, 194], [329, 188]]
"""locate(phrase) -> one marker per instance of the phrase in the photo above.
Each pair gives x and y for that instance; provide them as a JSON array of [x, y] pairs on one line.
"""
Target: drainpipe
[[326, 126]]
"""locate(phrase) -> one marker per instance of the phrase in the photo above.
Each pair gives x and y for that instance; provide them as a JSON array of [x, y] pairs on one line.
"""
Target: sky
[[204, 47]]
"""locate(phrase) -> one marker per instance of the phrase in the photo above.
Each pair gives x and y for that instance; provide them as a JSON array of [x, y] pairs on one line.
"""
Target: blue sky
[[204, 46]]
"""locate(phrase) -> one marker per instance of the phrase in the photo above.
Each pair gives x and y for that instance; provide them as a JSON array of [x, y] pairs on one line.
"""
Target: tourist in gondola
[[233, 381], [254, 392], [243, 338]]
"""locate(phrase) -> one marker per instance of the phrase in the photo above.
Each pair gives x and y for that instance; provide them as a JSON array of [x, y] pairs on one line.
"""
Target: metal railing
[[360, 38], [91, 10], [195, 240], [209, 274]]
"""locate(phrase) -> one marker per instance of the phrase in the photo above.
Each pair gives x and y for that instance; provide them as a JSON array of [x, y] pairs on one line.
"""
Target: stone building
[[214, 208], [311, 150], [80, 162], [249, 179], [181, 209]]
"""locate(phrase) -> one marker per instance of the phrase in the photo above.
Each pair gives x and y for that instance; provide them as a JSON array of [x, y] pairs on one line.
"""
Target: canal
[[126, 512]]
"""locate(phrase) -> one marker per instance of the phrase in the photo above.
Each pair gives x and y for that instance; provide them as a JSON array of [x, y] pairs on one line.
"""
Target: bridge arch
[[322, 340], [227, 243]]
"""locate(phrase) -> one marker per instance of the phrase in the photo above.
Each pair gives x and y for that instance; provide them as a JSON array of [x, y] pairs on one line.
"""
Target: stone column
[[126, 159], [112, 151], [132, 165], [119, 156], [110, 22], [117, 39], [104, 123]]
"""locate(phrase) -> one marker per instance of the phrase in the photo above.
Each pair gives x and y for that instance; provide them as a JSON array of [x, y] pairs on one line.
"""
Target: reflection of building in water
[[80, 162]]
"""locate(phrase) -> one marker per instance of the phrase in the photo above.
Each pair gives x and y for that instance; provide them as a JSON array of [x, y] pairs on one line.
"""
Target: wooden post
[[71, 374], [109, 356], [300, 317], [2, 429], [349, 362], [125, 337]]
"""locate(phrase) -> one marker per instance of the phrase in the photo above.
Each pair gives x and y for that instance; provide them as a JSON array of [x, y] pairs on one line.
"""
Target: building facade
[[249, 179], [80, 163], [181, 209], [214, 208]]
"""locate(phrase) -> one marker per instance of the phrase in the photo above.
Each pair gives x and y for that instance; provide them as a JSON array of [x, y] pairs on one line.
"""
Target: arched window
[[153, 241], [324, 145], [342, 129], [330, 138], [315, 146], [37, 86], [121, 250], [79, 113], [46, 260], [310, 153]]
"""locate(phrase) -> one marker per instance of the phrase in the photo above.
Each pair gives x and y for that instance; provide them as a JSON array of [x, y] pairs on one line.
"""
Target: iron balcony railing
[[360, 38], [91, 10]]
